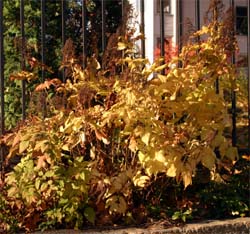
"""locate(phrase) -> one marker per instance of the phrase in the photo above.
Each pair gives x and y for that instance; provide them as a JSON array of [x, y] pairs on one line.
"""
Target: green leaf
[[89, 214], [37, 184], [176, 215]]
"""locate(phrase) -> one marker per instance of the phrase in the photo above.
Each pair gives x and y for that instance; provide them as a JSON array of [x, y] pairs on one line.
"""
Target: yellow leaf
[[23, 146], [141, 156], [145, 138], [101, 136], [208, 158], [131, 98], [159, 156], [121, 46], [232, 153], [162, 78], [160, 68], [132, 144], [187, 178], [140, 180], [171, 172], [246, 157]]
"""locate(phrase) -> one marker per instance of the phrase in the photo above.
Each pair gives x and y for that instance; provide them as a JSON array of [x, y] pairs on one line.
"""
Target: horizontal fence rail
[[84, 24]]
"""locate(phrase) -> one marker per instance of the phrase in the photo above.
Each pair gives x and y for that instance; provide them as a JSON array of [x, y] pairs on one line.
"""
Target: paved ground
[[233, 226]]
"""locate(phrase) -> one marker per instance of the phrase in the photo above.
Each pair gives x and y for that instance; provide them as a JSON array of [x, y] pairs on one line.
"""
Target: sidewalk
[[232, 226]]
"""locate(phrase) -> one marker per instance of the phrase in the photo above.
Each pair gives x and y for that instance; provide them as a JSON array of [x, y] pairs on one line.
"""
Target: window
[[241, 20], [166, 6]]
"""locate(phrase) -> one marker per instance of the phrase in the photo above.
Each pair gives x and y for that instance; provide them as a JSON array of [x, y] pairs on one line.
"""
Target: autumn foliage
[[115, 133]]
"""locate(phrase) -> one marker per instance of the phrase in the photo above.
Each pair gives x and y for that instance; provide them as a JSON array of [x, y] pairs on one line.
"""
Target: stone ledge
[[232, 226]]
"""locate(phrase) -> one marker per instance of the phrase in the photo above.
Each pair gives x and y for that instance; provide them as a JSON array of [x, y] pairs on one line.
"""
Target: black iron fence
[[84, 26]]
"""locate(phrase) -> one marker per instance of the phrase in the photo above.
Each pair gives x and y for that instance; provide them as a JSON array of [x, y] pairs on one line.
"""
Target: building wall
[[189, 16]]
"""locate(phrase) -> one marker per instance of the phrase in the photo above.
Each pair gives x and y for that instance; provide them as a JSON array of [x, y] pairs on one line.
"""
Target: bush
[[115, 131]]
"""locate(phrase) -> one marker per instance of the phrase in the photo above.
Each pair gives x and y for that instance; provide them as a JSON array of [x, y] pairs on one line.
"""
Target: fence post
[[43, 2], [233, 104], [23, 58], [179, 24], [103, 25], [43, 37], [2, 130], [63, 33], [1, 70], [248, 53], [142, 28], [162, 33], [83, 33]]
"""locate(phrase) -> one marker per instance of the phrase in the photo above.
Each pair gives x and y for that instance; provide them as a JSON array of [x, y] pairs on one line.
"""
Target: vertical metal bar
[[103, 25], [142, 28], [248, 56], [43, 2], [179, 28], [23, 58], [179, 24], [197, 14], [123, 10], [2, 130], [162, 32], [83, 33], [43, 37], [63, 33], [233, 104], [215, 18]]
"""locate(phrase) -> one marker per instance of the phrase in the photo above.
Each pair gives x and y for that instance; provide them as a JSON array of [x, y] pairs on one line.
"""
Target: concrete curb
[[232, 226]]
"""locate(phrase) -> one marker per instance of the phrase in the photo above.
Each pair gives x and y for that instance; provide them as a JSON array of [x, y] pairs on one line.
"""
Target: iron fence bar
[[2, 130], [197, 14], [142, 28], [215, 18], [43, 2], [179, 24], [233, 104], [83, 34], [123, 9], [23, 58], [248, 57], [162, 32], [63, 33], [179, 28], [43, 37], [103, 25]]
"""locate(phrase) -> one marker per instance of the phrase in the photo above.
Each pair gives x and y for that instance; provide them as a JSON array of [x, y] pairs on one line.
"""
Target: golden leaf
[[171, 171], [132, 144], [121, 46], [208, 158], [145, 138], [232, 153], [187, 178], [140, 180], [23, 146], [159, 156]]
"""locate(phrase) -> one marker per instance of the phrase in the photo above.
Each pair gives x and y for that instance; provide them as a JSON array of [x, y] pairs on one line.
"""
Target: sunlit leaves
[[116, 204], [118, 133]]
